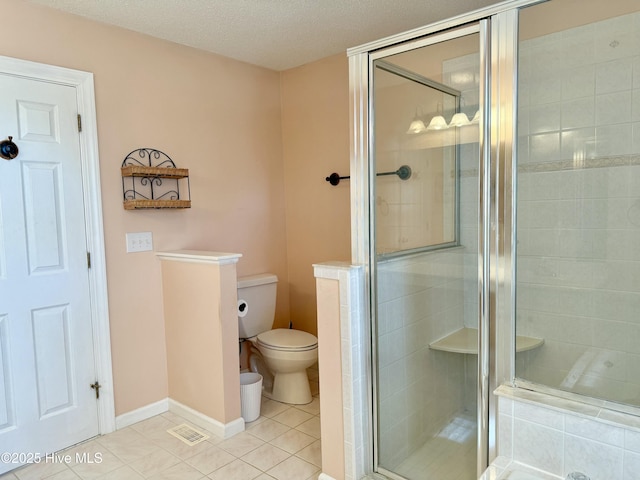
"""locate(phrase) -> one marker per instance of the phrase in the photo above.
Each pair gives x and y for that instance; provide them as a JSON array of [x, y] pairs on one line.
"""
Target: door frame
[[90, 161]]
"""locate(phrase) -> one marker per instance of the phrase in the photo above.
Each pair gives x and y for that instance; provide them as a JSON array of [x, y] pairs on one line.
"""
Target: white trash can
[[250, 395]]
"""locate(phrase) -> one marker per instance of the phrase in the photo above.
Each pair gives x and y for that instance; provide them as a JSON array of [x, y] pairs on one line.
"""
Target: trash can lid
[[249, 377]]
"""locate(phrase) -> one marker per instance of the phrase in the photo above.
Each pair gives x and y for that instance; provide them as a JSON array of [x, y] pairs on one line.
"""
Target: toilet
[[282, 355]]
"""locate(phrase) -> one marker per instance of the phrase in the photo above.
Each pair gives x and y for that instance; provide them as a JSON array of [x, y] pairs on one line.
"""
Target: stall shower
[[511, 253]]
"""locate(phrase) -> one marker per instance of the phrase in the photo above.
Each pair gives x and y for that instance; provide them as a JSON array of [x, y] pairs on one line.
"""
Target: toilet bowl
[[284, 353], [287, 353]]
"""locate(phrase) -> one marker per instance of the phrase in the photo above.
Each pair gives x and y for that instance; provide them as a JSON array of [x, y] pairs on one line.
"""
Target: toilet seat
[[287, 340]]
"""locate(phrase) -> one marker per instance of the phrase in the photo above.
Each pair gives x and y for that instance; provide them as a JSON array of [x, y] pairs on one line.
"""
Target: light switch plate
[[139, 242]]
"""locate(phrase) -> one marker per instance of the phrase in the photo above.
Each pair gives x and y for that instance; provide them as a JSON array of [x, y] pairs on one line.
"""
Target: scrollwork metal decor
[[148, 157], [150, 179]]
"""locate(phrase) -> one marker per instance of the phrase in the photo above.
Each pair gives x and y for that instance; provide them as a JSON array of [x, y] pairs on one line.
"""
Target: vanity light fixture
[[417, 125], [459, 120], [438, 123]]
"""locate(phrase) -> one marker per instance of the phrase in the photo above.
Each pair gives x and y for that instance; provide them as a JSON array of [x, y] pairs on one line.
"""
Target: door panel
[[38, 121], [426, 270], [44, 220], [46, 339], [7, 412], [54, 372]]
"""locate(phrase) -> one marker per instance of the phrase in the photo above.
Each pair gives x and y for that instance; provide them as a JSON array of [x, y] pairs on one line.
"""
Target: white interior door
[[46, 341]]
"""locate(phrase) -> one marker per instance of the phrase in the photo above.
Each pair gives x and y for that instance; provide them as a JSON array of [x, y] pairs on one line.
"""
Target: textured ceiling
[[277, 34]]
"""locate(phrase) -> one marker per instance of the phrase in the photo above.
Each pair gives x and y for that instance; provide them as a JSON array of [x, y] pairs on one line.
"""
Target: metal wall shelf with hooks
[[150, 179]]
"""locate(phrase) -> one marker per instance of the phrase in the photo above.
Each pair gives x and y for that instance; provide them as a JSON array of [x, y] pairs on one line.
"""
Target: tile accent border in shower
[[580, 164], [566, 165]]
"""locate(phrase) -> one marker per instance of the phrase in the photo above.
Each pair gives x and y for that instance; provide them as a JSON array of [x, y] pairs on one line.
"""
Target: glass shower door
[[425, 201]]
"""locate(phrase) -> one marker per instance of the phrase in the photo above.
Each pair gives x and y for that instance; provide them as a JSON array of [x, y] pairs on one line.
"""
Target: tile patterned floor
[[282, 444]]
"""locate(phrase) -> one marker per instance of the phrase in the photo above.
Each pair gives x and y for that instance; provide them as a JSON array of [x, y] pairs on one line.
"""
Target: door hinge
[[88, 259], [79, 123], [96, 386]]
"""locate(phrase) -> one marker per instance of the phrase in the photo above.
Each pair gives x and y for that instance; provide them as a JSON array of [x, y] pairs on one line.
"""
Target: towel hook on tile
[[403, 173]]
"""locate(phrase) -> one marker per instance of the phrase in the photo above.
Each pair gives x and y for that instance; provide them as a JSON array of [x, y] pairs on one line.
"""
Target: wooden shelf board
[[159, 172], [139, 204]]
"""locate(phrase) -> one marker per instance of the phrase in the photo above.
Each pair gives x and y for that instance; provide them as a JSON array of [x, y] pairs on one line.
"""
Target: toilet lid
[[288, 339]]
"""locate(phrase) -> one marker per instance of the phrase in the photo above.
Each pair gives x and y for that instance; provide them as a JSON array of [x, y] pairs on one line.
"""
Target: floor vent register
[[188, 434]]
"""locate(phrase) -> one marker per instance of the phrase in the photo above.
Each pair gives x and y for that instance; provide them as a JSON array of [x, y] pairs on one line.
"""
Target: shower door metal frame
[[497, 341], [498, 28]]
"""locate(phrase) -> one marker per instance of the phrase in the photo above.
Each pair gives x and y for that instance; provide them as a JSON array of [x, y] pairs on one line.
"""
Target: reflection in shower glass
[[418, 214], [578, 199], [426, 264]]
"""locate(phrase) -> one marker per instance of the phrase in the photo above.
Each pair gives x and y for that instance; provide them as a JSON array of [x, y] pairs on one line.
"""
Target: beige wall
[[330, 371], [200, 321], [315, 129], [218, 117]]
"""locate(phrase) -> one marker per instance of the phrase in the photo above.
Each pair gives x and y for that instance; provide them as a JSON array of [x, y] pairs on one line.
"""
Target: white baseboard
[[324, 476], [142, 413], [222, 430]]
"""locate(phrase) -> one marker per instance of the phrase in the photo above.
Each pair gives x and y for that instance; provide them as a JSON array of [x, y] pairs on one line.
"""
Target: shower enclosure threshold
[[465, 340]]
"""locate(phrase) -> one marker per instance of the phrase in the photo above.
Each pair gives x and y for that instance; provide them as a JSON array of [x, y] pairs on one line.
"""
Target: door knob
[[8, 149]]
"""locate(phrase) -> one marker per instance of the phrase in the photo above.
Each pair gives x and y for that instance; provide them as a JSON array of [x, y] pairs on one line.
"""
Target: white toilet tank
[[256, 304]]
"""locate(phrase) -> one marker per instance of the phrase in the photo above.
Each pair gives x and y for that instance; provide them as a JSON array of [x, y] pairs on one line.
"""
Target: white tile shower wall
[[559, 441], [419, 389], [354, 376], [579, 208], [461, 73], [422, 298], [469, 206], [419, 211]]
